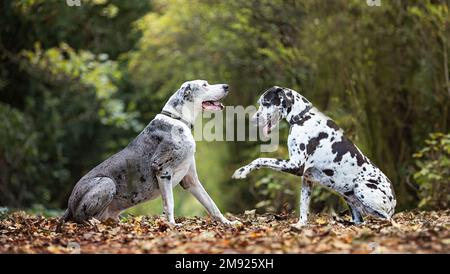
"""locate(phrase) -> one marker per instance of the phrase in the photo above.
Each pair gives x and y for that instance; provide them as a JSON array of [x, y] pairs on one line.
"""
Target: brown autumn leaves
[[411, 232]]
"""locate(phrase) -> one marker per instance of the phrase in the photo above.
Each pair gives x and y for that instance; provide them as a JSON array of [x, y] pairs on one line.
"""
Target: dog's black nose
[[226, 87]]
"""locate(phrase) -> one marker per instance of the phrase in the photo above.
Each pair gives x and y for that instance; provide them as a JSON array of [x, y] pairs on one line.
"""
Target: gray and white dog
[[319, 151], [159, 158]]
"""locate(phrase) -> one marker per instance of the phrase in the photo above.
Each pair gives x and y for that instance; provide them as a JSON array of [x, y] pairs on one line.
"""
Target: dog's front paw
[[298, 226], [173, 224], [241, 173], [235, 223]]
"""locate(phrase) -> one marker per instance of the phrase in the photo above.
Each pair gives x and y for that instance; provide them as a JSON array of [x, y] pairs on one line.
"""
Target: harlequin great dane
[[319, 151], [159, 158]]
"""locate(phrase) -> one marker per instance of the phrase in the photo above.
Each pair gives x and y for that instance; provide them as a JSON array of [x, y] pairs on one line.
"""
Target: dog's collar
[[297, 118], [177, 117]]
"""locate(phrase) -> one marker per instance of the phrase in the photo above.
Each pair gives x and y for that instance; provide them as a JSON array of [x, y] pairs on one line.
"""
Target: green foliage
[[433, 173], [62, 106], [380, 72], [90, 71], [275, 193], [19, 160], [82, 81]]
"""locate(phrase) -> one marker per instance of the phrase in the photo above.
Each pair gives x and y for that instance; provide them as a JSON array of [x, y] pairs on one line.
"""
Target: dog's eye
[[205, 84]]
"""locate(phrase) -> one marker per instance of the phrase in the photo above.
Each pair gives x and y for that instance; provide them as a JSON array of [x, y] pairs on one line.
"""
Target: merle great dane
[[319, 151], [159, 158]]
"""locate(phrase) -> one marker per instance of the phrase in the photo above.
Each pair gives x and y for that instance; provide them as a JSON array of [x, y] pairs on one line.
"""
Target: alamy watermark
[[73, 3], [373, 3], [233, 124], [74, 247]]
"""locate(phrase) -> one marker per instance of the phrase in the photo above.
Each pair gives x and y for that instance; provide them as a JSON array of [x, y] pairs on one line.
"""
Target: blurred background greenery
[[78, 83]]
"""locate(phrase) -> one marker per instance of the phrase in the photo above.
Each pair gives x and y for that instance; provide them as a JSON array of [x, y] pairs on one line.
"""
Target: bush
[[433, 174], [19, 159]]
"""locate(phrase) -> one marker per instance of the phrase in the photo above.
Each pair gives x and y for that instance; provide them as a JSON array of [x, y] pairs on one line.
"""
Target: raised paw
[[241, 173]]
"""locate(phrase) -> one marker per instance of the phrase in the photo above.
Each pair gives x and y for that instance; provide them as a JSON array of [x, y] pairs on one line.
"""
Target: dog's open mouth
[[212, 105]]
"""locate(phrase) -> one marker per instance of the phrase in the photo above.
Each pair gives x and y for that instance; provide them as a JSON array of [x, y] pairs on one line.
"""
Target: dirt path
[[412, 232]]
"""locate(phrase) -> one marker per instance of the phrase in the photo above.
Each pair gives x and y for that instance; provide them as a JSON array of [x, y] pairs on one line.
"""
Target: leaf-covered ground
[[411, 232]]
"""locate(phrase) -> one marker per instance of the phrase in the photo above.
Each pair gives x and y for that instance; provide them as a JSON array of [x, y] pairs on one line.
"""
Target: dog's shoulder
[[313, 123], [164, 129], [166, 126]]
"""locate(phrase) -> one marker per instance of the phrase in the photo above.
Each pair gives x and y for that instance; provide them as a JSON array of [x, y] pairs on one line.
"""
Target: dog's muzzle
[[215, 104]]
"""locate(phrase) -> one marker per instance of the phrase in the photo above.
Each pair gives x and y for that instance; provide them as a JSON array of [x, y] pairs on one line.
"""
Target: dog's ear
[[286, 98], [187, 92]]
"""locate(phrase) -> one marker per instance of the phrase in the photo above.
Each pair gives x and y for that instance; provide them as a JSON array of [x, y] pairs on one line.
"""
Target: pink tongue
[[208, 105]]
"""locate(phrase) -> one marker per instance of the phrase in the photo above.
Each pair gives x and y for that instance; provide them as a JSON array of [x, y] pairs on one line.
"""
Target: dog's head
[[275, 104], [201, 94], [195, 96]]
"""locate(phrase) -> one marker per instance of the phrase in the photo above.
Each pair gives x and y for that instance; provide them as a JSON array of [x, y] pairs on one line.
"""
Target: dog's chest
[[185, 162]]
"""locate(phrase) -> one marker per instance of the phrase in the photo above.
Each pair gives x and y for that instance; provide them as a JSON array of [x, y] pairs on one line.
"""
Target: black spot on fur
[[373, 181], [328, 172], [287, 104], [346, 146], [302, 146], [332, 124], [167, 177], [314, 142], [296, 120], [295, 171], [271, 98], [349, 193], [372, 186]]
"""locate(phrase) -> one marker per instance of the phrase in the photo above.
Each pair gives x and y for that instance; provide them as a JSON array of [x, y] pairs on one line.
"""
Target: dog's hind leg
[[357, 217], [62, 220], [91, 198], [374, 200]]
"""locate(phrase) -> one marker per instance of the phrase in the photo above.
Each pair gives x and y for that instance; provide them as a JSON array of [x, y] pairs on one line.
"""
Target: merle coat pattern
[[319, 151], [159, 158]]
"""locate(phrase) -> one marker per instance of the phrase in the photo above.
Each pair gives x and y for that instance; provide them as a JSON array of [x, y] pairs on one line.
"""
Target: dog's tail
[[62, 220]]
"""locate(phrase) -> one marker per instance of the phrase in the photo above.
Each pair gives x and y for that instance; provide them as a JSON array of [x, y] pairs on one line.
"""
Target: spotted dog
[[159, 158], [320, 153]]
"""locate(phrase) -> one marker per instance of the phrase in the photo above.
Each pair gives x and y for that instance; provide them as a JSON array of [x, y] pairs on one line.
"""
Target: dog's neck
[[185, 110], [298, 113]]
